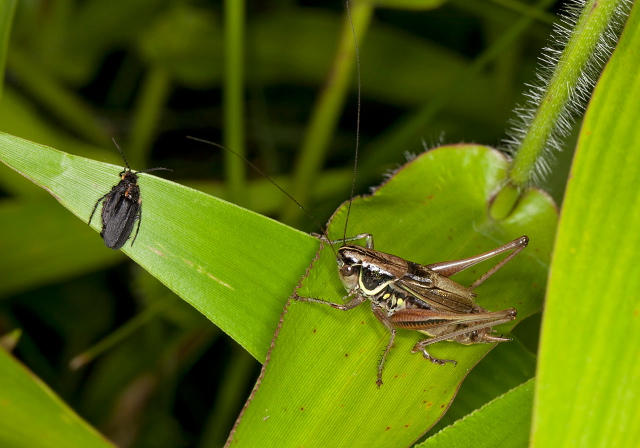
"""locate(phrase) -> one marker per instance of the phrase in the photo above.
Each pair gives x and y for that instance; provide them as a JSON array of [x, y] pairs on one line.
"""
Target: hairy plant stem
[[583, 43], [565, 92]]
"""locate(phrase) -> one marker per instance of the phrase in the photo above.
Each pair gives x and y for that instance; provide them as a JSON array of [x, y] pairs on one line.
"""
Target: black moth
[[122, 207]]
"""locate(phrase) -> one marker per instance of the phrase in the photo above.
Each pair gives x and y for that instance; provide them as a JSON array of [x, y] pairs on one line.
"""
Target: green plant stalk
[[579, 51], [7, 10], [8, 341], [326, 112], [149, 106], [233, 101], [404, 134]]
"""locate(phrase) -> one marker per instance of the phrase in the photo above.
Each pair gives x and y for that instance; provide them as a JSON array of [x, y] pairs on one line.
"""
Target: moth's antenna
[[121, 153], [154, 169], [127, 163], [255, 167], [355, 162]]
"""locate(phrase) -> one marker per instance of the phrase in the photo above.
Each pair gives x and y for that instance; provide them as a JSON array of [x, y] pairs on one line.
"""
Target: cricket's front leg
[[354, 302], [381, 315]]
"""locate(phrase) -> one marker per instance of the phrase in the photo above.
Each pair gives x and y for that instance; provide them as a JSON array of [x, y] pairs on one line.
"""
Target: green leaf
[[505, 422], [318, 388], [587, 392], [33, 416], [235, 266]]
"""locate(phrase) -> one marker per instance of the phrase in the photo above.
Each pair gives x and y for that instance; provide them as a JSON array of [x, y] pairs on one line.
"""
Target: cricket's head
[[349, 266], [359, 270]]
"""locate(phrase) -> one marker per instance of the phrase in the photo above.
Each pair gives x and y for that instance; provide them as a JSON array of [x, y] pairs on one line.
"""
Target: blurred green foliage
[[148, 73]]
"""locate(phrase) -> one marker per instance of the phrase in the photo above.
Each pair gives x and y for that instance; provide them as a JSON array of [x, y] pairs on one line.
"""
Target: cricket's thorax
[[392, 300]]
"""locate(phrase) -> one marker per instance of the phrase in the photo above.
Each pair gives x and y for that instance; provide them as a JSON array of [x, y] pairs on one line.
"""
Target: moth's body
[[412, 296], [122, 207]]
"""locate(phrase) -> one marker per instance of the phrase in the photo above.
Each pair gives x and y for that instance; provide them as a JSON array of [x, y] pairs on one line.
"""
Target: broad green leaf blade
[[32, 416], [318, 388], [587, 393], [505, 422], [234, 266]]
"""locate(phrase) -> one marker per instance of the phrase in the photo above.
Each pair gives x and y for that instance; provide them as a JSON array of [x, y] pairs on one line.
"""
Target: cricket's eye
[[347, 270]]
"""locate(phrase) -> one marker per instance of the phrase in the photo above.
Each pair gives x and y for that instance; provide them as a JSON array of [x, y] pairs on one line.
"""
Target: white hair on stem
[[580, 91]]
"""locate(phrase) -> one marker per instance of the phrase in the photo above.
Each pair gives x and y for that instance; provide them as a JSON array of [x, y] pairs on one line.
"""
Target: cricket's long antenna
[[355, 162], [255, 167], [121, 153]]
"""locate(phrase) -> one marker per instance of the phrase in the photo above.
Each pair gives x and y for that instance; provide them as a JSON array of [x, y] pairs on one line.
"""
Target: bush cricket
[[408, 295]]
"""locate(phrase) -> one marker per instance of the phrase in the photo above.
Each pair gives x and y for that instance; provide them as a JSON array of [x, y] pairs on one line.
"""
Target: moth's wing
[[122, 217]]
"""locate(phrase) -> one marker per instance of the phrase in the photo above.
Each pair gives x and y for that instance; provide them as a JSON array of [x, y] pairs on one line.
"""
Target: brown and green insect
[[408, 295]]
